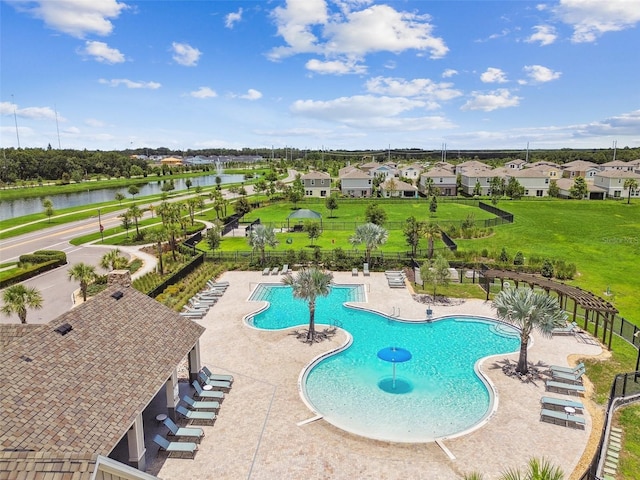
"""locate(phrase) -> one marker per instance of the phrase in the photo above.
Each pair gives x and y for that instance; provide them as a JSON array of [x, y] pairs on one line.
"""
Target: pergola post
[[597, 320], [172, 392], [195, 363], [135, 441], [611, 319], [575, 313]]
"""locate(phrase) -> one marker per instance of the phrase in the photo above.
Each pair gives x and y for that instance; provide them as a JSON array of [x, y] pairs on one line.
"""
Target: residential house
[[443, 179], [471, 165], [394, 188], [594, 192], [612, 182], [534, 180], [517, 164], [316, 184], [171, 161], [355, 183], [384, 170], [580, 168], [412, 172], [617, 165], [470, 177]]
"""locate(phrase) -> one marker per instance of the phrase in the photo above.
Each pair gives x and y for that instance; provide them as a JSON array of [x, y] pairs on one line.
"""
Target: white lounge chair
[[561, 418], [266, 271], [217, 376], [578, 368], [354, 272], [365, 269], [285, 269], [176, 447], [196, 416], [175, 431], [206, 394], [200, 404], [553, 403], [568, 388]]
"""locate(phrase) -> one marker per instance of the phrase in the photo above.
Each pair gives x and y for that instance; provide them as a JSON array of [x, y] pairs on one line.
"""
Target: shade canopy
[[304, 213], [394, 354]]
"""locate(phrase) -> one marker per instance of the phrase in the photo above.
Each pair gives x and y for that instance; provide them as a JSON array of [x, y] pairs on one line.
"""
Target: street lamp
[[101, 227]]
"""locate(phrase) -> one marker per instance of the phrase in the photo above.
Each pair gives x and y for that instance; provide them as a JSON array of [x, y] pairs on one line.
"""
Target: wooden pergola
[[595, 308]]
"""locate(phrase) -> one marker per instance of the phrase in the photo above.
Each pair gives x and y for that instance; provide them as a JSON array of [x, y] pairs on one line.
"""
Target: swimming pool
[[445, 396]]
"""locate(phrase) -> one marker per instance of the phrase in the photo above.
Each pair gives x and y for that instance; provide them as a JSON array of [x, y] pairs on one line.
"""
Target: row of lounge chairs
[[561, 411], [276, 270], [198, 305], [195, 411], [569, 329], [396, 278]]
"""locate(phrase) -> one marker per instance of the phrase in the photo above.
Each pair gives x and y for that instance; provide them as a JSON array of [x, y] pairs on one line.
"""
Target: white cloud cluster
[[101, 52], [539, 74], [204, 92], [252, 94], [184, 54], [347, 36], [232, 18], [544, 34], [418, 87], [487, 102], [591, 19], [335, 67], [116, 82], [493, 75], [75, 17], [449, 72], [33, 113]]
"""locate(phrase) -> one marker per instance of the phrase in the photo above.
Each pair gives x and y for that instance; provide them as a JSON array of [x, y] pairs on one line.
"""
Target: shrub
[[518, 259], [547, 269], [504, 257]]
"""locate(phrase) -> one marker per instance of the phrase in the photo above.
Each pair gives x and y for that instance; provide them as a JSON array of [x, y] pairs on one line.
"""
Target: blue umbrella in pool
[[394, 355]]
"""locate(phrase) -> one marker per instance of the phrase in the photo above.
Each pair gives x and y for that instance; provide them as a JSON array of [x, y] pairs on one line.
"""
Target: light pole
[[101, 227]]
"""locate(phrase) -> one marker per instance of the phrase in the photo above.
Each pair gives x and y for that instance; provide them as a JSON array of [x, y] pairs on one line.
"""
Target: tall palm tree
[[539, 469], [260, 237], [83, 273], [431, 232], [17, 298], [309, 284], [371, 235], [529, 310], [136, 214], [158, 236], [630, 184]]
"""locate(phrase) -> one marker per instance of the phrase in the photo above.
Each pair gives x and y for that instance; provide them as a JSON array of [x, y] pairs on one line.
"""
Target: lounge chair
[[564, 387], [578, 368], [365, 269], [217, 376], [212, 284], [206, 394], [176, 447], [285, 269], [568, 330], [266, 271], [200, 405], [217, 384], [194, 415], [192, 315], [552, 403], [175, 431], [567, 377], [275, 270], [354, 272], [562, 418]]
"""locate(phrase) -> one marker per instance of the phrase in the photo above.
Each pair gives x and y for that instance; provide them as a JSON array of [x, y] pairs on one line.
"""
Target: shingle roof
[[10, 332], [315, 175], [36, 466], [355, 173], [80, 392]]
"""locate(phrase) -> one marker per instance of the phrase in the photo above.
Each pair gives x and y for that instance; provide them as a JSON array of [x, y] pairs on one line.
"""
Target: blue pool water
[[439, 393]]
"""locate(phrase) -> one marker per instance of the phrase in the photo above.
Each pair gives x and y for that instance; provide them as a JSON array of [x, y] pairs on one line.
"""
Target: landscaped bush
[[564, 271], [547, 269], [518, 259]]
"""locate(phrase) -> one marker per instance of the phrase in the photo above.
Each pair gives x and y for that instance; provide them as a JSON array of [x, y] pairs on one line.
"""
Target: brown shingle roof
[[80, 393], [10, 332]]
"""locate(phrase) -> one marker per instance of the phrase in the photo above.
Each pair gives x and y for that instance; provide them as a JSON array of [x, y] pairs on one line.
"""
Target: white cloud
[[418, 87], [494, 100], [354, 108], [185, 54], [544, 34], [539, 74], [232, 18], [203, 92], [74, 17], [252, 94], [449, 72], [116, 82], [93, 122], [494, 75], [33, 113], [335, 67], [591, 19], [352, 33], [625, 124], [101, 52]]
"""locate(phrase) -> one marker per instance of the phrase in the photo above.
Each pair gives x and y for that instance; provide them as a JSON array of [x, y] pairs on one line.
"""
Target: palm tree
[[309, 284], [260, 237], [630, 184], [158, 236], [528, 310], [83, 273], [17, 298], [371, 235], [113, 260], [135, 213], [539, 469], [431, 232]]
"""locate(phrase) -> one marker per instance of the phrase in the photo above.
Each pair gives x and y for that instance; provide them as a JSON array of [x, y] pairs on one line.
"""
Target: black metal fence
[[179, 275]]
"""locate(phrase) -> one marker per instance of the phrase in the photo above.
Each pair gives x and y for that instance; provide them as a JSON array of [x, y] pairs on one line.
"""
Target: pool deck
[[257, 436]]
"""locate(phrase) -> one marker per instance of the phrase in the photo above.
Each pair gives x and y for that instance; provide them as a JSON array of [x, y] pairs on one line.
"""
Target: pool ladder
[[395, 312]]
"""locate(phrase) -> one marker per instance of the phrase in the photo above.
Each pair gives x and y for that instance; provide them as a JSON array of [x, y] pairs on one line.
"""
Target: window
[[539, 193], [546, 180], [440, 179], [616, 194], [526, 193], [323, 193], [313, 182]]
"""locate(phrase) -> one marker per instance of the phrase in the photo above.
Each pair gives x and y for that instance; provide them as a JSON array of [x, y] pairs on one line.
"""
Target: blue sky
[[312, 74]]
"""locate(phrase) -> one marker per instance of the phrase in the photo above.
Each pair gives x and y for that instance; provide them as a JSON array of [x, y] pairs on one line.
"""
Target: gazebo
[[304, 213]]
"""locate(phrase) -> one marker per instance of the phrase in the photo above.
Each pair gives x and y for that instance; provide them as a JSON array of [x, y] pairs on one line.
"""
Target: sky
[[319, 74]]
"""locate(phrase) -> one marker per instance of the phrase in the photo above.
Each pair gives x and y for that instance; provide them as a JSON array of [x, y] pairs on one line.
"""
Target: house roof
[[614, 163], [315, 176], [566, 184], [438, 172], [80, 393], [10, 332], [355, 173], [617, 174], [399, 185], [578, 165], [540, 172]]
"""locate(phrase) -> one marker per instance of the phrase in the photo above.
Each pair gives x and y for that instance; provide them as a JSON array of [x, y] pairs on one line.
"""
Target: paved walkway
[[256, 434]]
